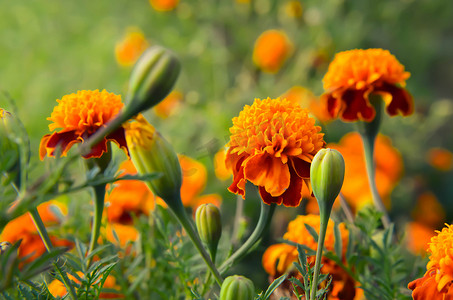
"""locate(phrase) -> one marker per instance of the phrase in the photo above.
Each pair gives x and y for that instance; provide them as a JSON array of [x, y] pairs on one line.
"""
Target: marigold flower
[[356, 74], [272, 145], [437, 282], [272, 49], [80, 116], [164, 5], [388, 165], [23, 228], [294, 9], [124, 233], [169, 105], [278, 258], [129, 49], [441, 159]]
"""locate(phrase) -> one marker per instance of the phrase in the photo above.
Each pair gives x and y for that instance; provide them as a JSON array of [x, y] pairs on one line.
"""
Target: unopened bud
[[237, 288], [326, 176], [151, 153], [209, 225], [152, 79]]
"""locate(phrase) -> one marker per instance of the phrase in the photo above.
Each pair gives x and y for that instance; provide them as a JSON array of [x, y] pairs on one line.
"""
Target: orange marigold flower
[[441, 159], [164, 5], [354, 75], [272, 145], [124, 233], [23, 228], [80, 116], [437, 282], [129, 49], [272, 49], [278, 259], [308, 100], [388, 165], [169, 105]]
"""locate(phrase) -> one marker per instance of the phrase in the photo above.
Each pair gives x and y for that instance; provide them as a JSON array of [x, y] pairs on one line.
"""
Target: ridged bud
[[237, 288], [152, 79], [8, 146], [151, 153], [209, 226], [326, 176]]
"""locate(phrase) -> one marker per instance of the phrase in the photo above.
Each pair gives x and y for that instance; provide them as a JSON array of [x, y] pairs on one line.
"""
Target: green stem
[[48, 244], [186, 223], [368, 131], [322, 235], [99, 194], [265, 216]]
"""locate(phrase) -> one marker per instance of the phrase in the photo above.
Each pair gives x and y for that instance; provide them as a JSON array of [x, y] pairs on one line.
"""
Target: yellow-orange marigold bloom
[[388, 165], [308, 100], [354, 75], [164, 5], [169, 105], [23, 228], [294, 9], [80, 116], [441, 159], [278, 258], [437, 282], [272, 49], [272, 144], [129, 49]]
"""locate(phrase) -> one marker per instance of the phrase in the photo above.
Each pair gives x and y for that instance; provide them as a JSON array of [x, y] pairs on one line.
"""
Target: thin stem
[[346, 209], [178, 210], [368, 145], [321, 237], [99, 194], [48, 244], [265, 216]]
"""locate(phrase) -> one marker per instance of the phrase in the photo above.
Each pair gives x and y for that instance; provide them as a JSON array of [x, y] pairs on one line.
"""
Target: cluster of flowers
[[272, 145]]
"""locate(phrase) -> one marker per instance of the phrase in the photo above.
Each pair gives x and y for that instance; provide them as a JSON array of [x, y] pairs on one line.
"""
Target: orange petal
[[268, 172], [399, 100], [357, 106], [425, 288], [64, 140], [278, 257], [290, 198]]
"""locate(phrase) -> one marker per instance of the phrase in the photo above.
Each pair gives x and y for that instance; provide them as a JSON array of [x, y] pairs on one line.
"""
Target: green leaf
[[275, 284], [312, 232]]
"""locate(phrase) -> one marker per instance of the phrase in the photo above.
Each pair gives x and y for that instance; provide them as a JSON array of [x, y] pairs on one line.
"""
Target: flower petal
[[63, 140], [291, 197], [269, 172], [397, 99], [356, 106]]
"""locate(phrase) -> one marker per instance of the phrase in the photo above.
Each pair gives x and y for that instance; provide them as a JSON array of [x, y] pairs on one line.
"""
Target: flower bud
[[152, 79], [209, 225], [237, 288], [4, 246], [151, 153], [326, 176], [8, 144]]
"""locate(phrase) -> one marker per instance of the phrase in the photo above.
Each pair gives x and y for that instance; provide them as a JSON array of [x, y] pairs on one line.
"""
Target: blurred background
[[52, 48]]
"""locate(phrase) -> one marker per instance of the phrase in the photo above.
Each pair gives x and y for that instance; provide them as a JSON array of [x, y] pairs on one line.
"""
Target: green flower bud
[[237, 288], [326, 176], [150, 153], [209, 225], [8, 144], [152, 79], [4, 246]]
